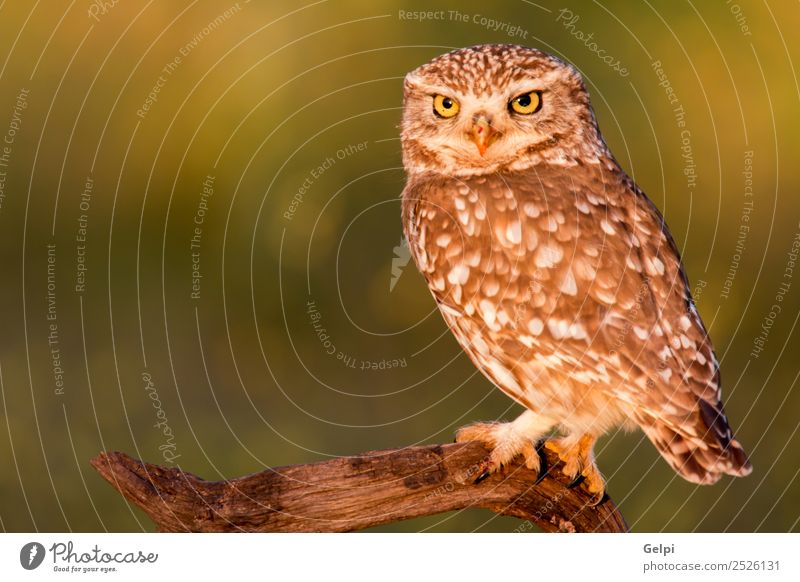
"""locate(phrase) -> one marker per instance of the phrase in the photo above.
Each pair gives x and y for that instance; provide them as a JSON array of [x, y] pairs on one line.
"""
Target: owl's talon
[[506, 441], [579, 464]]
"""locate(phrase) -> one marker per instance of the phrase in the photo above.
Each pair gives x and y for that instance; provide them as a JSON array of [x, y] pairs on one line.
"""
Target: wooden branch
[[352, 493]]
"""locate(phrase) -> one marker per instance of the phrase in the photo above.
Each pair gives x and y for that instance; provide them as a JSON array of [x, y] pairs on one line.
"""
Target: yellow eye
[[445, 106], [527, 103]]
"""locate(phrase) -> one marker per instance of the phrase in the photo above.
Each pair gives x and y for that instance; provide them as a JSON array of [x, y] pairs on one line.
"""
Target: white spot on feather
[[502, 317], [577, 331], [458, 275], [568, 284], [487, 311], [605, 295], [550, 224], [535, 326], [548, 255], [530, 209], [559, 328], [491, 287], [449, 310], [633, 264], [653, 266], [584, 269], [503, 376]]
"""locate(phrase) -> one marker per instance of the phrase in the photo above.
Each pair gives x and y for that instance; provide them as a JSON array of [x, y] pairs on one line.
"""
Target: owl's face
[[494, 107]]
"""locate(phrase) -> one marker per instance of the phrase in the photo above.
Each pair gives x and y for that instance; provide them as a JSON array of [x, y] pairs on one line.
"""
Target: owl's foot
[[506, 441], [579, 465]]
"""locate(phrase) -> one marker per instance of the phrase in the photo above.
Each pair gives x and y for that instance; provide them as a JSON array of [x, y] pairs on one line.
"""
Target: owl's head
[[490, 108]]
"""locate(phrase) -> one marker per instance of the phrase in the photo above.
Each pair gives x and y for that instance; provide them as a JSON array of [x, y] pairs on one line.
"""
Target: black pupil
[[447, 103], [524, 100]]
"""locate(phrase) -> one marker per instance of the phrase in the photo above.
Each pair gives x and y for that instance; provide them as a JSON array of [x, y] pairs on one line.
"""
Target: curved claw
[[577, 480], [544, 468], [482, 477], [485, 469], [598, 499]]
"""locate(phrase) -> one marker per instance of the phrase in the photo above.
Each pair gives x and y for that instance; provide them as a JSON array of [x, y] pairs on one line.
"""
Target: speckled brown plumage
[[554, 271]]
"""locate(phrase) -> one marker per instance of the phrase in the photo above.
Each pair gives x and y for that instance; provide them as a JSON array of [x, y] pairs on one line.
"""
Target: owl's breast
[[512, 247]]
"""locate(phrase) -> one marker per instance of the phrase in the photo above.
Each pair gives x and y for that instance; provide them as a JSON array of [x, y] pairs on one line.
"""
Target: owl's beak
[[482, 133]]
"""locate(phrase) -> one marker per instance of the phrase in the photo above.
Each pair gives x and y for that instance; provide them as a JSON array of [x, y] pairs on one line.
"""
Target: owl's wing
[[680, 407]]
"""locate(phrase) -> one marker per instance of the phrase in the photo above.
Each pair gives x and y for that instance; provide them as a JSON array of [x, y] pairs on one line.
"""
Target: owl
[[554, 271]]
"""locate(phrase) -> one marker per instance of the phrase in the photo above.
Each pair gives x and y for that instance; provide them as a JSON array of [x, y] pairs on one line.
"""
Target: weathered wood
[[352, 493]]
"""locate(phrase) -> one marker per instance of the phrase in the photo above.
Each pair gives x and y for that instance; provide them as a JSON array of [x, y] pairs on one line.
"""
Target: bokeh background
[[309, 334]]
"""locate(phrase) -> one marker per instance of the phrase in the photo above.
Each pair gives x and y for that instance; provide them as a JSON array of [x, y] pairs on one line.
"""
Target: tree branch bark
[[357, 492]]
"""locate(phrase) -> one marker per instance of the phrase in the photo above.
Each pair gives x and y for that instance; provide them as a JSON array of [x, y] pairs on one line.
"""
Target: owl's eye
[[445, 106], [526, 103]]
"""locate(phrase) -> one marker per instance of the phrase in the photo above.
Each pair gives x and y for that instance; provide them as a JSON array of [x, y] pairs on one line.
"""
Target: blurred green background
[[264, 104]]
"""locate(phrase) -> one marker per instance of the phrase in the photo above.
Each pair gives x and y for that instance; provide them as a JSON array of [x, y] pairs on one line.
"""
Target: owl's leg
[[577, 452], [506, 440]]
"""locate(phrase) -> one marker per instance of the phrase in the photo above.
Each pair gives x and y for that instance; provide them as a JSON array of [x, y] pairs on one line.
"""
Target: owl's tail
[[702, 457]]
